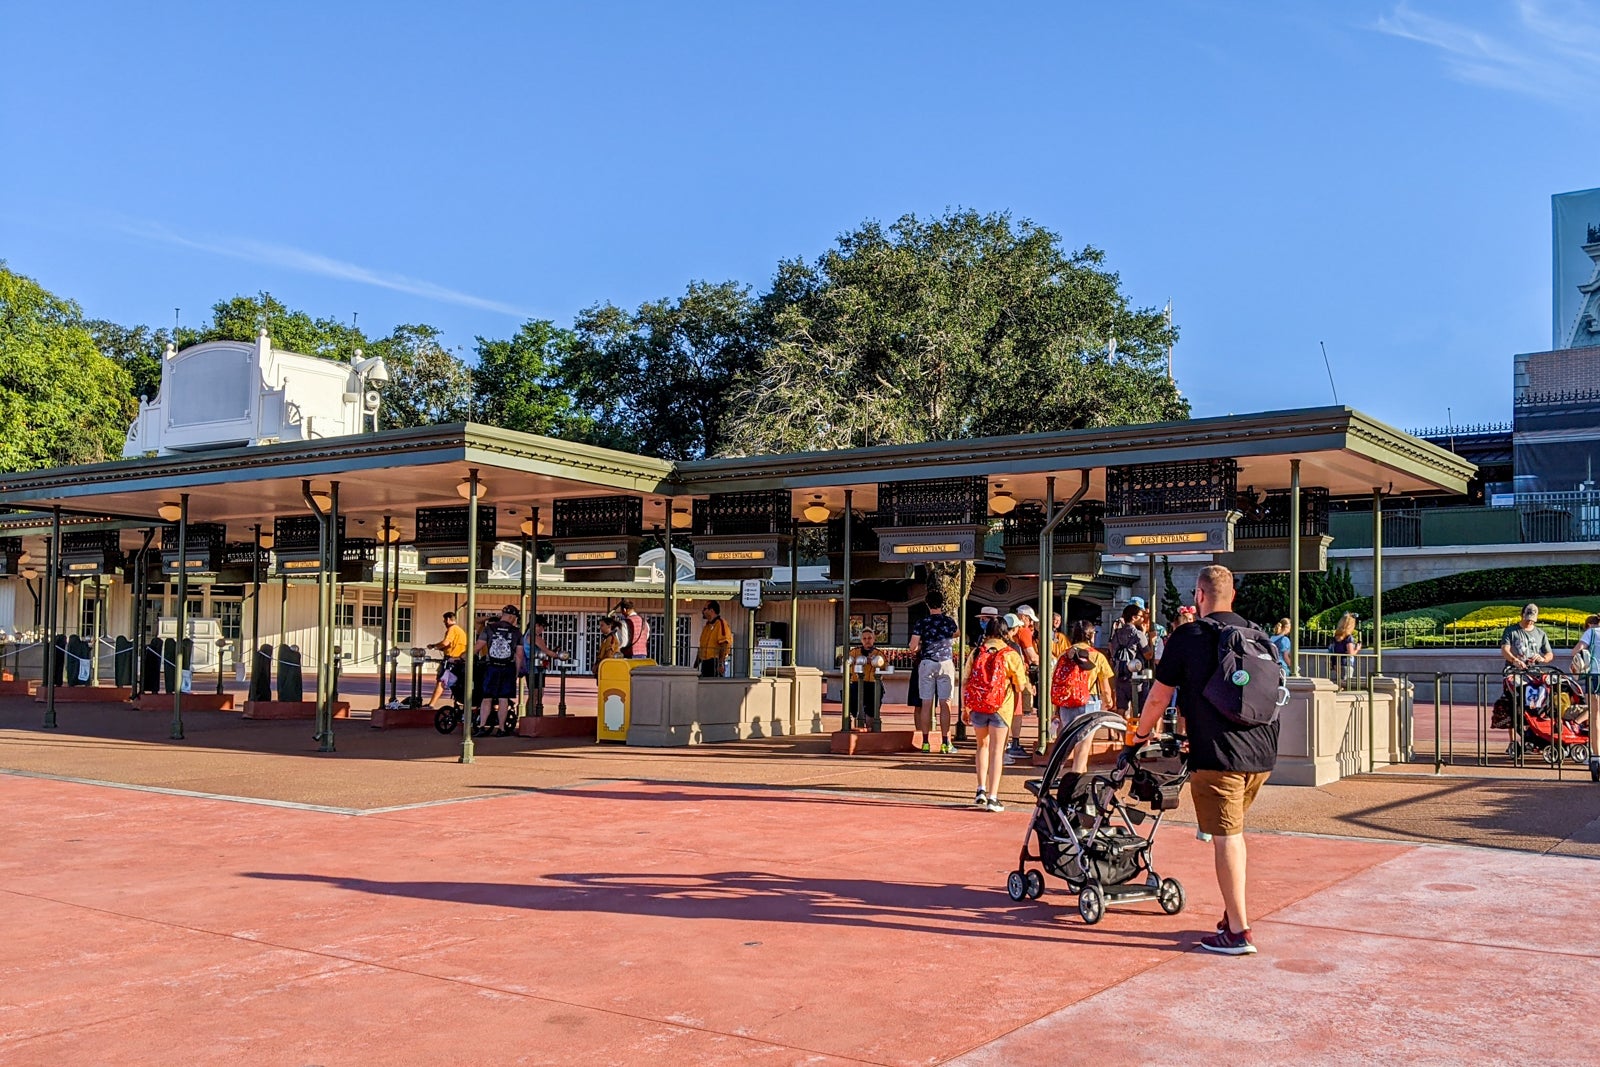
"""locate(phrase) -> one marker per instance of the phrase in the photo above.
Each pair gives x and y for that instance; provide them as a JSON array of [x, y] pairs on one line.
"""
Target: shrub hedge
[[1512, 584]]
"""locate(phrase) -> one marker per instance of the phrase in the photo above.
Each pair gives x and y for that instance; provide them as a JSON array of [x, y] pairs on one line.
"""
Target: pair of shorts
[[500, 682], [988, 720], [936, 679], [1591, 684], [1221, 799]]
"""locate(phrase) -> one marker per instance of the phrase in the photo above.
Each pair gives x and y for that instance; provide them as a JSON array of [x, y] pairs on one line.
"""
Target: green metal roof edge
[[1228, 436]]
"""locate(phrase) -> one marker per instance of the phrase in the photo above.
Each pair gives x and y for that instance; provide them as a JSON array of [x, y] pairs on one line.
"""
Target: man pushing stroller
[[1229, 686]]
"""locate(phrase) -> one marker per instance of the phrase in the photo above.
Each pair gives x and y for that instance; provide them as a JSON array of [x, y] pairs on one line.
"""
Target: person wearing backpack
[[1129, 643], [996, 680], [1081, 681], [1229, 687]]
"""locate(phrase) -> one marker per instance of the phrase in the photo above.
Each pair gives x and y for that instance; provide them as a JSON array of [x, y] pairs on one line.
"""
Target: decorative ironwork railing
[[762, 512], [244, 554], [1553, 397], [298, 532], [1085, 524], [448, 525], [358, 549], [598, 516], [83, 542], [1268, 517], [1466, 429], [1172, 488], [934, 502], [201, 536]]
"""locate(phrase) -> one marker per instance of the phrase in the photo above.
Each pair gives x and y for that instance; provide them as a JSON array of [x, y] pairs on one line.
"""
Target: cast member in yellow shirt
[[716, 642], [453, 647]]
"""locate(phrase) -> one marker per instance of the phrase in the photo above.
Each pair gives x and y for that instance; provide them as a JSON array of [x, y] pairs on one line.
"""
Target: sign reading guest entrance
[[747, 555], [919, 544], [1192, 537], [1175, 534]]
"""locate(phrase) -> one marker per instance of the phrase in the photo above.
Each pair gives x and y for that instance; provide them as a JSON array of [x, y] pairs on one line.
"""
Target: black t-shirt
[[1215, 743]]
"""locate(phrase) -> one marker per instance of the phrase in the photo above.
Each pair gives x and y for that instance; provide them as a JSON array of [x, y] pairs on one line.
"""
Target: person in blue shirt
[[1280, 641], [933, 644]]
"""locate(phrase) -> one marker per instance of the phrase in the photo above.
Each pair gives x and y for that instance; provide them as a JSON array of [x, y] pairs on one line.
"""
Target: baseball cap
[[1027, 612], [512, 610], [1137, 601], [1012, 621], [1531, 611]]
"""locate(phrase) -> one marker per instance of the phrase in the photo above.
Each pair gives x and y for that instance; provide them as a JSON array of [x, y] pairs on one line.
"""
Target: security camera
[[372, 400]]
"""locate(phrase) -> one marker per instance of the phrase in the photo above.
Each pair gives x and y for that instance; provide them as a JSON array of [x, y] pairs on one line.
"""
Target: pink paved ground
[[630, 923]]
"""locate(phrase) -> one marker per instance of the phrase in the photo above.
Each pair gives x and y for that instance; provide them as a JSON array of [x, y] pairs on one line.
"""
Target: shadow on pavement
[[755, 896]]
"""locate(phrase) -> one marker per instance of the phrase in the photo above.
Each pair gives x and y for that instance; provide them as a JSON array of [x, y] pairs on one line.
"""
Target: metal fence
[[1457, 724]]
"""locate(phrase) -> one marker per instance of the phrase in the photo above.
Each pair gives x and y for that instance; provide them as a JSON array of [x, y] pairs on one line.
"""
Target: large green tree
[[427, 383], [61, 401], [965, 325], [660, 380], [138, 349], [242, 318], [517, 383]]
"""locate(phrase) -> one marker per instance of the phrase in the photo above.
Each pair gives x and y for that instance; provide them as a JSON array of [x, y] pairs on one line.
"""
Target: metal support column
[[794, 626], [97, 630], [386, 611], [1294, 566], [393, 583], [182, 614], [535, 699], [1377, 580], [52, 566], [471, 713], [329, 630], [255, 616], [846, 675], [669, 607], [1047, 592]]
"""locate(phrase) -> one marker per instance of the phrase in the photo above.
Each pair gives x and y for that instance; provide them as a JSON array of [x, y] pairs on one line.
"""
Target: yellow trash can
[[614, 680]]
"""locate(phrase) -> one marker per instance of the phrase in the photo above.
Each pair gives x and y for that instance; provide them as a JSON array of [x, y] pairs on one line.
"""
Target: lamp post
[[182, 615]]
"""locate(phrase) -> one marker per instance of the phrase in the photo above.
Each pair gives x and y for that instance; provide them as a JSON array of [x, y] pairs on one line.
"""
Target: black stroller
[[1088, 832]]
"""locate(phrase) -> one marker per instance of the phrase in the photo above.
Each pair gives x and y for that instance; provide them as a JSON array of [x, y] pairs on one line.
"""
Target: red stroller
[[1543, 697]]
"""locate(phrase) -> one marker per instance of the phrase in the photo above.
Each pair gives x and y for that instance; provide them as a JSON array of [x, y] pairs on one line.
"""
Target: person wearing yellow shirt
[[453, 647], [862, 667], [716, 642]]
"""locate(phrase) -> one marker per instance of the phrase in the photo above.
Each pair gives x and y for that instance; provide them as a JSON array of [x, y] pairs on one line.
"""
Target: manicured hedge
[[1512, 584]]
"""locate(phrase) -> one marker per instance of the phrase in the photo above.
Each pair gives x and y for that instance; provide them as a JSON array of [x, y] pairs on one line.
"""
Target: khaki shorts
[[1222, 797]]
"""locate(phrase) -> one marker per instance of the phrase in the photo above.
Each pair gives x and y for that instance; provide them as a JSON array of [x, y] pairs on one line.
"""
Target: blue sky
[[1375, 176]]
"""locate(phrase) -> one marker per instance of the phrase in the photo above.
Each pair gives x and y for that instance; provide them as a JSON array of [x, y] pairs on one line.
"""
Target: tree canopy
[[965, 325], [660, 380], [959, 325], [61, 401]]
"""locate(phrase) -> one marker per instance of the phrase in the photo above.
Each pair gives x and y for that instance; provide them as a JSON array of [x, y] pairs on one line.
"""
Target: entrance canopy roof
[[396, 471]]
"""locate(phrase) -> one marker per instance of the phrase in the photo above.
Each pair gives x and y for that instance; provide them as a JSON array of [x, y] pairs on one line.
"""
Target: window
[[402, 626], [344, 615], [372, 617], [230, 614], [197, 609], [86, 621]]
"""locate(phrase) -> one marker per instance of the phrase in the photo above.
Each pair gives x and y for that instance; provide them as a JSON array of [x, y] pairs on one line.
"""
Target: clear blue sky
[[1374, 175]]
